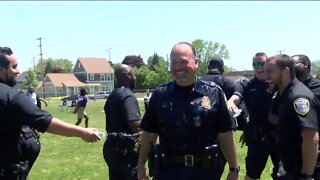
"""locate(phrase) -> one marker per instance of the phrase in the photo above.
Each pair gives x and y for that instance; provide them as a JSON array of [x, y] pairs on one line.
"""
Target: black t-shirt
[[187, 116], [17, 110], [121, 107], [257, 100], [226, 84], [297, 108]]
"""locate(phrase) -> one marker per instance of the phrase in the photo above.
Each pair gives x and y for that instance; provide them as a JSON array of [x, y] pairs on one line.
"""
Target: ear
[[197, 61]]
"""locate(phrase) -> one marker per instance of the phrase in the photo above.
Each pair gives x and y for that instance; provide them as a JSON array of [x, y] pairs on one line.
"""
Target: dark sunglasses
[[258, 63], [6, 50]]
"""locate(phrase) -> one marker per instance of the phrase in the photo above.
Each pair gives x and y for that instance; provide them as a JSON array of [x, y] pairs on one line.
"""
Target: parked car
[[70, 98], [99, 95]]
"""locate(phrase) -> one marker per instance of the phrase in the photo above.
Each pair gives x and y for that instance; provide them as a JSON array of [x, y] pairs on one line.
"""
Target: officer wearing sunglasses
[[259, 135]]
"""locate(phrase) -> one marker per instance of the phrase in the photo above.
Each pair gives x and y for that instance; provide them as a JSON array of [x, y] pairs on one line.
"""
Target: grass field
[[71, 158]]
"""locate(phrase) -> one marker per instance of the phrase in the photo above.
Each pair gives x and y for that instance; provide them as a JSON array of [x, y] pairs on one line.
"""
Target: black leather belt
[[190, 160]]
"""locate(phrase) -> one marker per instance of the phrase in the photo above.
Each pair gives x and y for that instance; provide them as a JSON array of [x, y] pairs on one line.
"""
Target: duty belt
[[190, 160], [14, 169]]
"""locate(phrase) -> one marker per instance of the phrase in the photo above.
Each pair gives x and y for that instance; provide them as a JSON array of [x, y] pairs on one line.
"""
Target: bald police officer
[[188, 115]]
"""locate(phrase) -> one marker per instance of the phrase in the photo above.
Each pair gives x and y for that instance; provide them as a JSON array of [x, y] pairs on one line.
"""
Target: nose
[[17, 71]]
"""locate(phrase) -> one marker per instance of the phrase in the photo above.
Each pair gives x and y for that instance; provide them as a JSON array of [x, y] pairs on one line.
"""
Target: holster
[[316, 174], [154, 160], [15, 171]]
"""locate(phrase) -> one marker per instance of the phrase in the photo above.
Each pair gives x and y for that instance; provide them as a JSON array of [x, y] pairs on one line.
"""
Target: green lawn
[[71, 158]]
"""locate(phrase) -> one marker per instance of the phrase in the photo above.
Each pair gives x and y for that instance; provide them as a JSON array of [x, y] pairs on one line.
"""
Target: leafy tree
[[51, 65], [154, 60], [30, 79], [141, 75], [206, 50], [315, 68], [133, 61]]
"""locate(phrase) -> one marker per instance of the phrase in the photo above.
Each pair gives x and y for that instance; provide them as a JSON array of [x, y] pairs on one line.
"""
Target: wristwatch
[[306, 176], [235, 169]]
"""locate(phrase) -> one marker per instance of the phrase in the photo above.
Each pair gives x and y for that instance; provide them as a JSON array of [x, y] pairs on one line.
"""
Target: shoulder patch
[[301, 106]]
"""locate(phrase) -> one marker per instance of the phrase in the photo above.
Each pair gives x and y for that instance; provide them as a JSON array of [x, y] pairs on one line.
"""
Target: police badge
[[205, 102], [301, 106]]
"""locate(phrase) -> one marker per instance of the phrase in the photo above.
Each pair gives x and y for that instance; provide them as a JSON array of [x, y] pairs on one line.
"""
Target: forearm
[[64, 129], [146, 139], [310, 140], [228, 147]]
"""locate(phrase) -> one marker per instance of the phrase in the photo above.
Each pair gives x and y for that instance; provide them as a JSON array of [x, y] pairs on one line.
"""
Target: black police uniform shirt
[[297, 108], [226, 84], [187, 118], [314, 85], [257, 100], [17, 110], [121, 107]]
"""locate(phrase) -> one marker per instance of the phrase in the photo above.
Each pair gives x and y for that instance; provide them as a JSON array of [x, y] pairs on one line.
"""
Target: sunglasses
[[6, 50], [258, 64]]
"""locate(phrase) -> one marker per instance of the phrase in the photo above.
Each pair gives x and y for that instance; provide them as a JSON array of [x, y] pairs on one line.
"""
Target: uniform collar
[[197, 87], [293, 82], [307, 81]]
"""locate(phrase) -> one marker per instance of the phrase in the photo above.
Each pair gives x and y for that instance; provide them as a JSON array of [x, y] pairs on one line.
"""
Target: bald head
[[125, 76]]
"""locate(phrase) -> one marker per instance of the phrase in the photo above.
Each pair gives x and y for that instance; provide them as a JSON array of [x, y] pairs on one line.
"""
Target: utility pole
[[42, 66], [280, 51], [34, 64], [109, 50]]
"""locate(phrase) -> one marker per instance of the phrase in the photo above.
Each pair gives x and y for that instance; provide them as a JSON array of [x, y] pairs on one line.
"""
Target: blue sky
[[88, 29]]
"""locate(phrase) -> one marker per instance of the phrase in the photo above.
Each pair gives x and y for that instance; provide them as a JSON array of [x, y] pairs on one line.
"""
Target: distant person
[[16, 111], [146, 100], [123, 120], [34, 97], [80, 108]]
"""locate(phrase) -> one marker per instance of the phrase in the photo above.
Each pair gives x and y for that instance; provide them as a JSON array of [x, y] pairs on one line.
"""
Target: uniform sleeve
[[131, 109], [149, 120], [307, 112], [226, 121], [27, 113]]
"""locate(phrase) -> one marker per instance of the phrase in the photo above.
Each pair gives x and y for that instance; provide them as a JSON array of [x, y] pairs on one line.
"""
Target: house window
[[91, 77], [107, 88], [108, 77], [102, 77], [104, 88], [60, 89]]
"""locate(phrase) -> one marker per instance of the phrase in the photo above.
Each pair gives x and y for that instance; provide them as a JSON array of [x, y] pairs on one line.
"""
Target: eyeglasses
[[258, 64], [296, 62], [6, 50]]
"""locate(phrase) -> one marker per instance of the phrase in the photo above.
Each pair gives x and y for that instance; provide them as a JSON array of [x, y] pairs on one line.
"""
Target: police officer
[[17, 110], [188, 115], [302, 69], [298, 118], [260, 135], [122, 116], [215, 74]]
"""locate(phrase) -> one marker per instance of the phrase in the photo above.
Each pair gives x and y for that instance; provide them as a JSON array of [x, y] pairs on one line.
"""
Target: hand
[[142, 173], [232, 107], [233, 176], [242, 139], [90, 135]]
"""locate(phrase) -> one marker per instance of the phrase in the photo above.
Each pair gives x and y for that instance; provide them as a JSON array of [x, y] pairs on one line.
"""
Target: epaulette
[[209, 83]]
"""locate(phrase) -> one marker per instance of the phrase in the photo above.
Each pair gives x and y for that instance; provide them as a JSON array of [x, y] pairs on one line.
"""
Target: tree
[[207, 50], [133, 61], [154, 60], [51, 65], [315, 68], [30, 79]]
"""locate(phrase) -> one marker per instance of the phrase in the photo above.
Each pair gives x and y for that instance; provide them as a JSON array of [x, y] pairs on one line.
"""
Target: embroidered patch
[[205, 102], [301, 106]]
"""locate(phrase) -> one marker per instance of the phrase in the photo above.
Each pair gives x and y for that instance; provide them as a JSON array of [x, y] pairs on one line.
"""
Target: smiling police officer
[[17, 110], [298, 119], [188, 115]]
